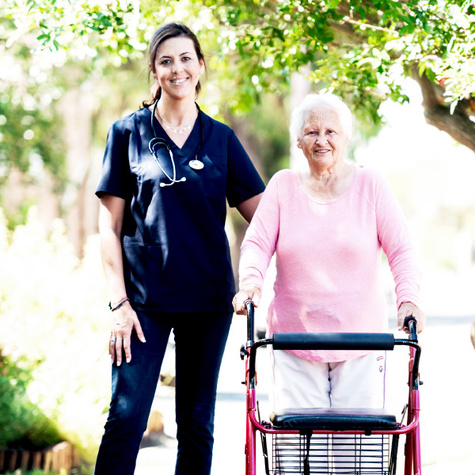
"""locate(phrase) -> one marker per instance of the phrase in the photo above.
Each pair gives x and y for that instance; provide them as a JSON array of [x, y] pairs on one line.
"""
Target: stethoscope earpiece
[[160, 142]]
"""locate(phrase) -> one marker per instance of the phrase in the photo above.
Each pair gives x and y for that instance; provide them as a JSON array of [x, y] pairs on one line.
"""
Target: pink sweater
[[328, 257]]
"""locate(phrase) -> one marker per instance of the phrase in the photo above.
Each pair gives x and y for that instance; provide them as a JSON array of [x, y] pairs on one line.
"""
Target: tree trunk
[[79, 203], [458, 125]]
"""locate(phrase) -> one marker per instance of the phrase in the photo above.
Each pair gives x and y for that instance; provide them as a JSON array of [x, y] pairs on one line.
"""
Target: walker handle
[[411, 324], [250, 321], [333, 341]]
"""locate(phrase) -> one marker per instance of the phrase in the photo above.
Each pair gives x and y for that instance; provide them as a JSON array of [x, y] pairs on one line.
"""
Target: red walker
[[332, 441]]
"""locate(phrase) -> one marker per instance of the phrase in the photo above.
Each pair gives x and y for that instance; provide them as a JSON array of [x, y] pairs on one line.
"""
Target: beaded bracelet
[[118, 304]]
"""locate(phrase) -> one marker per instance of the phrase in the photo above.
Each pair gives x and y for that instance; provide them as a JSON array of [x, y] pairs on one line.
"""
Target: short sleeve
[[243, 180], [115, 164]]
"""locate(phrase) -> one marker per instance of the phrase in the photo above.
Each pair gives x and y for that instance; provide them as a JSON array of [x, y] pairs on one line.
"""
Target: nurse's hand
[[248, 293], [125, 321]]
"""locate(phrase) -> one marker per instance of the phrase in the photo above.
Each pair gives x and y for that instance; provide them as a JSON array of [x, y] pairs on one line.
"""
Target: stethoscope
[[160, 142]]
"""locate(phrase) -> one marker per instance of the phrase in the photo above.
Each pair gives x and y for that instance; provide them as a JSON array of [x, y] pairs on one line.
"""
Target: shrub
[[53, 311], [22, 424]]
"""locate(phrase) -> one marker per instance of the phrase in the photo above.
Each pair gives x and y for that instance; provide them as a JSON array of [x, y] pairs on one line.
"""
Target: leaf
[[430, 74]]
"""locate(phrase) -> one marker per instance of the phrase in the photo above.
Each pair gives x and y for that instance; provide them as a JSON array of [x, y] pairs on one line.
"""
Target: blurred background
[[69, 69]]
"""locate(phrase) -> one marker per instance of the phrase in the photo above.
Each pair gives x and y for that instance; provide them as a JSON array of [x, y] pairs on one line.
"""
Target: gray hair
[[312, 102]]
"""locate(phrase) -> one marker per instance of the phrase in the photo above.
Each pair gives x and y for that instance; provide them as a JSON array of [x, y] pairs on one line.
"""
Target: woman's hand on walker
[[125, 321], [408, 309], [248, 293]]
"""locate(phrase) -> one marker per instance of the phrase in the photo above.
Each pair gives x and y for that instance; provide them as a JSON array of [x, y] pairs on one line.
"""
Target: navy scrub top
[[175, 250]]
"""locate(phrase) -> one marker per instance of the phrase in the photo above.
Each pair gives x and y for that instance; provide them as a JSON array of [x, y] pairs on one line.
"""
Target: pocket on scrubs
[[142, 268]]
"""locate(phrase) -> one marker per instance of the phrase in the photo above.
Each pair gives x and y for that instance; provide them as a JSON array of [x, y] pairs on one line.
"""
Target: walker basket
[[330, 454]]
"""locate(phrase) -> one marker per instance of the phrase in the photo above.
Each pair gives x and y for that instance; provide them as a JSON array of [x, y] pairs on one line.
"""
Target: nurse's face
[[177, 67]]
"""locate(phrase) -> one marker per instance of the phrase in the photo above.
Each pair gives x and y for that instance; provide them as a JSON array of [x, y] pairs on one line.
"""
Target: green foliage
[[48, 48], [29, 139], [60, 24], [53, 312], [74, 471], [356, 48], [22, 424], [34, 472], [30, 127], [266, 130], [81, 470]]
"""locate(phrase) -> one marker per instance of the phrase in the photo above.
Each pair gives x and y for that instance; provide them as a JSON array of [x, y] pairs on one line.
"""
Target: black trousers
[[200, 339]]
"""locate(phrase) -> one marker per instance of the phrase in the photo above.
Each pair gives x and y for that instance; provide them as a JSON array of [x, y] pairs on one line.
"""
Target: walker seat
[[334, 419]]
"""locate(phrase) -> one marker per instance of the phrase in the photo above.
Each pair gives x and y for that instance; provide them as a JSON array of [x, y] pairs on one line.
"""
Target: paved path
[[447, 419]]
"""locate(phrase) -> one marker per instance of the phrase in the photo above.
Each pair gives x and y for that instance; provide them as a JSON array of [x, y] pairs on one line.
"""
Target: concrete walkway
[[447, 400]]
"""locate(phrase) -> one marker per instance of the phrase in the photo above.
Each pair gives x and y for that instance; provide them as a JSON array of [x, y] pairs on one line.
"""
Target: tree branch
[[458, 125]]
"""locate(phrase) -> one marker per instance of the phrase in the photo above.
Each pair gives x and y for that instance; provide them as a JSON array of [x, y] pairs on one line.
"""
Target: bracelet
[[118, 304]]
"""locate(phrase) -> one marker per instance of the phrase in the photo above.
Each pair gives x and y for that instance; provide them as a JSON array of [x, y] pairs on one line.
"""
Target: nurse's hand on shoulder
[[247, 293], [125, 321], [408, 309]]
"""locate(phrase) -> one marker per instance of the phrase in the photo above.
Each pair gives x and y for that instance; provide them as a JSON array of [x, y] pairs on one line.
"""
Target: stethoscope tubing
[[157, 141]]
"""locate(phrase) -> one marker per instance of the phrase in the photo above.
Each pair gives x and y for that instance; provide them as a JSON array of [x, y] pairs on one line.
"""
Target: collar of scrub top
[[156, 142]]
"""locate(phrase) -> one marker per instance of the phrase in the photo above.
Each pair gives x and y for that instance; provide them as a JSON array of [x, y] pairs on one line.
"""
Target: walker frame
[[317, 427]]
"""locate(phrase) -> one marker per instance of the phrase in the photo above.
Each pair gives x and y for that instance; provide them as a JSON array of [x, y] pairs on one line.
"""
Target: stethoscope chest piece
[[196, 164]]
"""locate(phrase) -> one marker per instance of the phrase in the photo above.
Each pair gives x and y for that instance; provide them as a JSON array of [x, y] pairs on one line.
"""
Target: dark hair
[[164, 33]]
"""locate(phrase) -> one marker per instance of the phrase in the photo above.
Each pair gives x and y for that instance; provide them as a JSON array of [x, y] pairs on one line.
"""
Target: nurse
[[168, 171]]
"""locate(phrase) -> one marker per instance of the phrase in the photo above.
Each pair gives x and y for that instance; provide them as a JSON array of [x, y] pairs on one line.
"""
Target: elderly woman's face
[[322, 139]]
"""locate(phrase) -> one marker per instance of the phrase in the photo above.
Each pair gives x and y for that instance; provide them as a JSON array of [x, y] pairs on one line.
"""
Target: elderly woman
[[328, 228]]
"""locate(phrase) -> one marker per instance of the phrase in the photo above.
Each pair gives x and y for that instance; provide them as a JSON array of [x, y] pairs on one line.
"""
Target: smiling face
[[177, 68], [322, 139]]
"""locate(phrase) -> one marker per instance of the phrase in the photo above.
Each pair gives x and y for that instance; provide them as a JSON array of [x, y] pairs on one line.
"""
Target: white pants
[[358, 383], [300, 383]]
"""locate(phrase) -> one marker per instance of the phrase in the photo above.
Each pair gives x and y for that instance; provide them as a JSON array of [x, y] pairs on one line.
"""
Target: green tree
[[29, 137], [360, 50], [357, 48]]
